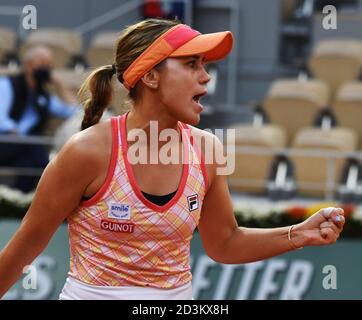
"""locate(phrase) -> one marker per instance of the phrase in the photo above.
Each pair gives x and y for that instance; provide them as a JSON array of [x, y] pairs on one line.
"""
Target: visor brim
[[213, 46]]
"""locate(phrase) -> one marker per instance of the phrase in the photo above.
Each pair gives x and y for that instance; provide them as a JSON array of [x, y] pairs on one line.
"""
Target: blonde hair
[[96, 91]]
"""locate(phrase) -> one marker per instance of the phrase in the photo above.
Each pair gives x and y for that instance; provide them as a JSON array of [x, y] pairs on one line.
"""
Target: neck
[[152, 121], [142, 120], [150, 109]]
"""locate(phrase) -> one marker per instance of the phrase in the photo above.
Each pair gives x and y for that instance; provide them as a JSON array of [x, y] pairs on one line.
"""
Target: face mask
[[41, 76]]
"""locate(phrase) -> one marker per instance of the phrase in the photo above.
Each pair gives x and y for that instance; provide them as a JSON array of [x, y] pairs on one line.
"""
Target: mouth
[[198, 97]]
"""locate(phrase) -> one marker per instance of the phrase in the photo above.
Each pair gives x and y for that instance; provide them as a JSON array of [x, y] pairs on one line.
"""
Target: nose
[[205, 77]]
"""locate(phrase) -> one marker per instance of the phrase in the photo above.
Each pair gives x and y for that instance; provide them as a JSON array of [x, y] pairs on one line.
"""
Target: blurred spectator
[[26, 105], [176, 10], [153, 9], [168, 9]]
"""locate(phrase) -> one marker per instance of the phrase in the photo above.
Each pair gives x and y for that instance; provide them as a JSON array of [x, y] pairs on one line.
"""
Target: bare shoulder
[[82, 161], [204, 138], [211, 148], [87, 148]]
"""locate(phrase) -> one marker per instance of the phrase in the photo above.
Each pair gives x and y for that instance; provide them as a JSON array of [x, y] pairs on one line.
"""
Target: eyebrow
[[195, 57]]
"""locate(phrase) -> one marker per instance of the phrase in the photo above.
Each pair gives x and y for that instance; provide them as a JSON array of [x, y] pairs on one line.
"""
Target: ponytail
[[96, 94]]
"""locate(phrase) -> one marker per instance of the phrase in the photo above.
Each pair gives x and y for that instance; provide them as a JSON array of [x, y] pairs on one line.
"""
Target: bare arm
[[58, 194], [225, 242]]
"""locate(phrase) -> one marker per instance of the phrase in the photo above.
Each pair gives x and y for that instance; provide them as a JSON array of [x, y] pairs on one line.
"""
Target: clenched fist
[[322, 228]]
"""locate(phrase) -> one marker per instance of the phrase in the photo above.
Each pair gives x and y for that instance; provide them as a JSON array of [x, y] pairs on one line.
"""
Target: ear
[[151, 79]]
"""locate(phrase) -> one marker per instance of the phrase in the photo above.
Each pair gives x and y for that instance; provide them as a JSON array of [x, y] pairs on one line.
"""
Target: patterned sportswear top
[[119, 238]]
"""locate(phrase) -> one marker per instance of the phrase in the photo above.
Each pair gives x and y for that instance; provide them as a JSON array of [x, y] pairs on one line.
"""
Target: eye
[[192, 64]]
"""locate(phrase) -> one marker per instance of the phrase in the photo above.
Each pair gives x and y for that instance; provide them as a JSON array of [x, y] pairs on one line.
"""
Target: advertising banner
[[332, 272]]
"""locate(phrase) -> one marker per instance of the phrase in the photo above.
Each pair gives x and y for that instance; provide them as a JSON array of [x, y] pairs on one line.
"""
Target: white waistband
[[77, 290]]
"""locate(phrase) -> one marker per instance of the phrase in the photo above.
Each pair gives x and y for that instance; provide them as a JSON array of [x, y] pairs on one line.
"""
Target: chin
[[194, 120], [189, 117]]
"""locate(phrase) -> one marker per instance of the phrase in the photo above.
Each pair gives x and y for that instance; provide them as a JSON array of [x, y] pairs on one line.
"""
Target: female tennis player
[[131, 222]]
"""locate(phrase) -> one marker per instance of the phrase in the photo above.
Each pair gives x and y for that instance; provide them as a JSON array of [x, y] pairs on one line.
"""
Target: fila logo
[[119, 211], [193, 202]]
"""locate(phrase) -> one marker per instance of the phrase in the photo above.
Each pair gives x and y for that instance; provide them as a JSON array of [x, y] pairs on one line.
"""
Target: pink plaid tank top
[[119, 238]]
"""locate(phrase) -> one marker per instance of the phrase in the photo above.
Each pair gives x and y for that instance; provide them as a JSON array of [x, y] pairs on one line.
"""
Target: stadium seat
[[100, 51], [252, 170], [294, 104], [348, 107], [7, 42], [72, 79], [311, 172], [336, 61], [65, 44]]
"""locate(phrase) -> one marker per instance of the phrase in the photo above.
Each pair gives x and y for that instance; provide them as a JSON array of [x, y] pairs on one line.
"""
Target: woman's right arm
[[59, 192]]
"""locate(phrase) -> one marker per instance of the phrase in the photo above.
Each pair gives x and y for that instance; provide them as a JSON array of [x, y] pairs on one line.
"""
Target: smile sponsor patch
[[120, 211], [117, 226]]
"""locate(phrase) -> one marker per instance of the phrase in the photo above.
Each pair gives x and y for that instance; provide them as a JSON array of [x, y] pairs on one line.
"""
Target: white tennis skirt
[[77, 290]]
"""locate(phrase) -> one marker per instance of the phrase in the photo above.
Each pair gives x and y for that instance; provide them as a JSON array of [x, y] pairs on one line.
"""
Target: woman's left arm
[[225, 242]]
